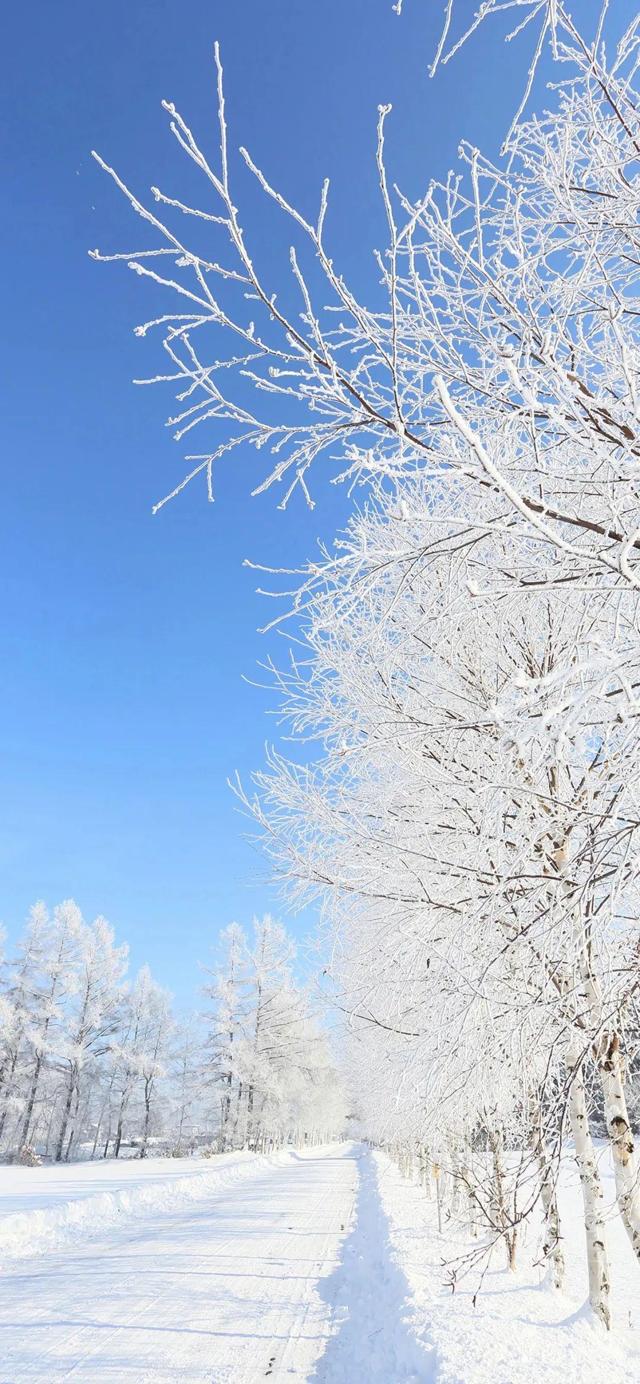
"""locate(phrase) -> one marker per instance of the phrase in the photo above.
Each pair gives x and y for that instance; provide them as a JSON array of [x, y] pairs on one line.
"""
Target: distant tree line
[[93, 1064]]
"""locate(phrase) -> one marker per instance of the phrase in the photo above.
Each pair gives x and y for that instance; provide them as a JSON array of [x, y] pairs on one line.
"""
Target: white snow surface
[[324, 1266], [226, 1287], [29, 1189], [45, 1208], [520, 1330]]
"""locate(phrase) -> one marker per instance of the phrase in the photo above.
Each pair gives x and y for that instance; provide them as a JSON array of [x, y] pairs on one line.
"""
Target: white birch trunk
[[552, 1243], [426, 1173], [552, 1251], [499, 1208], [625, 1163], [597, 1258], [456, 1182]]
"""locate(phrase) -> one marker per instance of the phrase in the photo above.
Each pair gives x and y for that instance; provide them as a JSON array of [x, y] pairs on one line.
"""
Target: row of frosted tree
[[274, 1074], [466, 657], [95, 1065]]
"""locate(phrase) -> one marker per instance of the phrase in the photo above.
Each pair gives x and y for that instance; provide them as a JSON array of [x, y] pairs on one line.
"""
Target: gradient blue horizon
[[125, 638]]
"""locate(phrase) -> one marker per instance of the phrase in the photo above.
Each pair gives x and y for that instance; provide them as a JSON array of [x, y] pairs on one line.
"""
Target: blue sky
[[124, 637]]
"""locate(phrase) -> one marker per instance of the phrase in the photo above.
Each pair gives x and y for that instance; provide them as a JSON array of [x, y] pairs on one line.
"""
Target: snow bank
[[32, 1189], [71, 1217], [516, 1330]]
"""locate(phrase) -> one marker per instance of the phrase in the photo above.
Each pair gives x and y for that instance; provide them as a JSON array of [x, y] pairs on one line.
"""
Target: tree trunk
[[425, 1171], [500, 1212], [225, 1115], [236, 1118], [552, 1251], [65, 1119], [75, 1124], [625, 1163], [436, 1175], [106, 1108], [249, 1124], [456, 1181], [28, 1114], [552, 1244], [118, 1142], [466, 1179], [597, 1258], [147, 1119], [50, 1126], [8, 1083]]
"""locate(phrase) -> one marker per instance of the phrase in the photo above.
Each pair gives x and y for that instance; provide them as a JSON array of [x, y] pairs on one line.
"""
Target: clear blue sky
[[124, 637]]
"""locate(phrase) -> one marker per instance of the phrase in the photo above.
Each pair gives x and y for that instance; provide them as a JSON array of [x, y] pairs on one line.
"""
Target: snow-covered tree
[[503, 357], [187, 1118], [93, 1020], [470, 824], [59, 956], [155, 1043], [268, 1060], [23, 1005]]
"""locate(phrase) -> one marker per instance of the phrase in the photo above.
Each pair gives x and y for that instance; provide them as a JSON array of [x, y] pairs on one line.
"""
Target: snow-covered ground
[[27, 1189], [324, 1267], [48, 1207], [226, 1288], [519, 1331]]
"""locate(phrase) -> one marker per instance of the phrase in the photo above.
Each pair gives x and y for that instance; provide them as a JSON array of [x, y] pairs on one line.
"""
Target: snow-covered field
[[325, 1266], [29, 1189], [47, 1207]]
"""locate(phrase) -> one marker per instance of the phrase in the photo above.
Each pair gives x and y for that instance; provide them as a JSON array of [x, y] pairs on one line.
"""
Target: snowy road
[[230, 1290], [319, 1268]]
